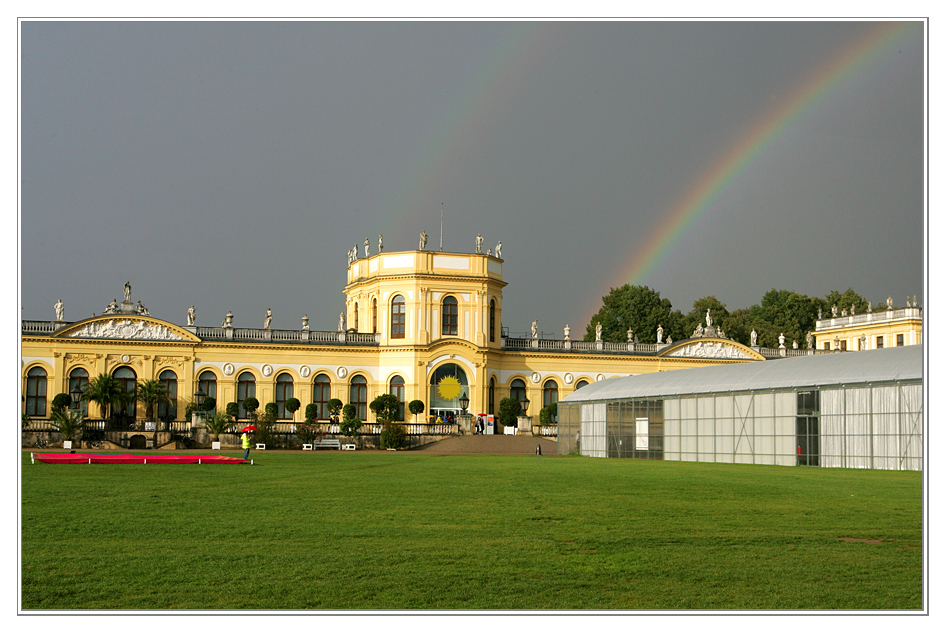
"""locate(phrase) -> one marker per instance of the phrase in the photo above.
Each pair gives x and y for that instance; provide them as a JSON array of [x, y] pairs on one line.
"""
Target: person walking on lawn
[[246, 444]]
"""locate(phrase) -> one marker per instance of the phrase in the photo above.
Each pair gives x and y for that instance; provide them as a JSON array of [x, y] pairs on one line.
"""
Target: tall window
[[449, 319], [79, 377], [321, 394], [492, 320], [397, 389], [517, 390], [899, 340], [207, 383], [283, 393], [398, 317], [169, 381], [374, 316], [358, 396], [126, 377], [549, 392], [36, 392], [492, 397], [880, 342], [246, 387], [355, 314]]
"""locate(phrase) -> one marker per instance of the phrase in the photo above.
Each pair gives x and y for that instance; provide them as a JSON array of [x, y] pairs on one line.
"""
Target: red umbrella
[[248, 428]]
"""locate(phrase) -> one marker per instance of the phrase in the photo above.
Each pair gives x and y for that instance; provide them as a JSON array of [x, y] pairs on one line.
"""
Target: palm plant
[[69, 422], [217, 424], [106, 391], [150, 393]]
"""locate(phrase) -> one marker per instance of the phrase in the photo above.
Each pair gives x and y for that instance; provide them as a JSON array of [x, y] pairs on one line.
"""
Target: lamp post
[[524, 403], [76, 395], [464, 416]]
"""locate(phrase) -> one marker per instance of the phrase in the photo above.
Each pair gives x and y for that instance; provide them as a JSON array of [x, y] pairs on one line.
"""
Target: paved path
[[490, 445]]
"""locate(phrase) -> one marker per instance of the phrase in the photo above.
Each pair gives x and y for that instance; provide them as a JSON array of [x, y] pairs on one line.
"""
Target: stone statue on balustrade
[[305, 322], [709, 319], [380, 243], [698, 332], [341, 322], [809, 340], [479, 243], [423, 240], [535, 329], [367, 247], [227, 320], [754, 338], [660, 330], [598, 332], [141, 309], [834, 310], [268, 319], [111, 308], [499, 250], [127, 291], [191, 315], [870, 307], [890, 303], [59, 309]]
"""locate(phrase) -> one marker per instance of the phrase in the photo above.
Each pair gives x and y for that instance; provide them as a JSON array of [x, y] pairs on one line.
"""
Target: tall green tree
[[733, 326], [638, 308], [844, 301], [784, 312], [385, 408]]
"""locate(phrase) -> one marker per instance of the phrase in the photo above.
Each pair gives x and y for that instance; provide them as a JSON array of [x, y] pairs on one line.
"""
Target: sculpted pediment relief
[[711, 349], [128, 328]]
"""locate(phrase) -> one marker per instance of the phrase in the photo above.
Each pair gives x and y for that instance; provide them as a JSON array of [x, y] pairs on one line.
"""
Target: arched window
[[549, 392], [246, 387], [283, 393], [492, 320], [126, 377], [517, 390], [207, 383], [449, 318], [79, 377], [492, 397], [374, 315], [169, 381], [397, 389], [36, 392], [398, 317], [580, 384], [358, 396], [321, 394]]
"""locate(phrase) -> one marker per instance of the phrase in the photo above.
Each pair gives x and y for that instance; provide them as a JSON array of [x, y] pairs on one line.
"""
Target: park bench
[[327, 444]]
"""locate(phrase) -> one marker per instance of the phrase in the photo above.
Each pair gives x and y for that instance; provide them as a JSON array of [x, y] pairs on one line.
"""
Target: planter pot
[[67, 444], [215, 446]]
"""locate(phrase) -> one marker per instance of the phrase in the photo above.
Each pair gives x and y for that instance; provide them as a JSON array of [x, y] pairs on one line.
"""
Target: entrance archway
[[448, 383]]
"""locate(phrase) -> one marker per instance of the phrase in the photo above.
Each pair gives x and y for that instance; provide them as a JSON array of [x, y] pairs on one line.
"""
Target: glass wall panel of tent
[[874, 426]]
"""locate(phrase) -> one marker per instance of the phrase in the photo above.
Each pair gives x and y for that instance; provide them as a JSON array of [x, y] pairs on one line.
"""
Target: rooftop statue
[[479, 243], [499, 250], [227, 320], [127, 291], [598, 332], [367, 246], [380, 242], [305, 322], [535, 328], [423, 240], [660, 331], [59, 311], [268, 320], [191, 315], [753, 338]]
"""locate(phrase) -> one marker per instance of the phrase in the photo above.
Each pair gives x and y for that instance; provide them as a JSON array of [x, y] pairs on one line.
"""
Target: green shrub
[[250, 405], [311, 411], [385, 408], [416, 407], [393, 436], [233, 410], [210, 403], [61, 402], [292, 405], [271, 409], [509, 410]]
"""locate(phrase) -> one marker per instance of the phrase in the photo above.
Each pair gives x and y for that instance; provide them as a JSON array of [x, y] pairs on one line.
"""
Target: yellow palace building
[[422, 325]]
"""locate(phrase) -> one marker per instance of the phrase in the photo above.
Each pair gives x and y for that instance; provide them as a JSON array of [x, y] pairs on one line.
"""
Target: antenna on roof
[[441, 227]]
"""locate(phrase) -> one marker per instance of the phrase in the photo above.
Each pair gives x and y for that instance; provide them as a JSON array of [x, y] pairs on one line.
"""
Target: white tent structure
[[845, 410]]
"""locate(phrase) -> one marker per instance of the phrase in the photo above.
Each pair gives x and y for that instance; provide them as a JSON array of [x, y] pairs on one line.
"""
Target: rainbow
[[757, 137]]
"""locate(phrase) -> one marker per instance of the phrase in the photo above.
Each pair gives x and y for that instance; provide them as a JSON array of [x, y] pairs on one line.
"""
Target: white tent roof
[[882, 365]]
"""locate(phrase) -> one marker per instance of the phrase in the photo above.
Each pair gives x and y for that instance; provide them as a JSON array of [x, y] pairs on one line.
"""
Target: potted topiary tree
[[385, 408], [334, 408], [509, 409], [416, 407], [350, 424], [61, 402], [292, 405]]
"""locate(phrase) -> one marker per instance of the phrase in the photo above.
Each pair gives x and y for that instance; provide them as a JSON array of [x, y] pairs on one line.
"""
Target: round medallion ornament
[[304, 372], [228, 370], [342, 372], [568, 379], [125, 358], [536, 377], [267, 370]]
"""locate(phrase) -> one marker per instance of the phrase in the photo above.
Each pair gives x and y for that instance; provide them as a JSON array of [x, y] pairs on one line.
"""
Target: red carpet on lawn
[[82, 458]]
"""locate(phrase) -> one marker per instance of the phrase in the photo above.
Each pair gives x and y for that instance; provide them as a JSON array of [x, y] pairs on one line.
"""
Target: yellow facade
[[415, 315], [871, 330]]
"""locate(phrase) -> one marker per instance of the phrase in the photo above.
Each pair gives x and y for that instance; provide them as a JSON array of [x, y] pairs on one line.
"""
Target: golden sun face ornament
[[449, 388]]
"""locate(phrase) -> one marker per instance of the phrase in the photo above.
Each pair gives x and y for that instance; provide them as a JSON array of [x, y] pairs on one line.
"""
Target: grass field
[[378, 530]]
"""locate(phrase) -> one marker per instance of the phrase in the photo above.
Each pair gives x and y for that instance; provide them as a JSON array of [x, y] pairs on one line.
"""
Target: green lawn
[[379, 530]]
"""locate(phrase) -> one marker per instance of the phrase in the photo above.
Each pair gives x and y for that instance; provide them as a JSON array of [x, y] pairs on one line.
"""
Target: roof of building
[[882, 365]]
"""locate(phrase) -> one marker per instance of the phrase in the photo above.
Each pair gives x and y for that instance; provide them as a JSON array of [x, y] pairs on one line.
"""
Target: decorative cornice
[[710, 349]]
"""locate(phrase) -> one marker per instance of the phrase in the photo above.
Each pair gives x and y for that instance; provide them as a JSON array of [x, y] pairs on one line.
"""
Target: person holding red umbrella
[[246, 440]]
